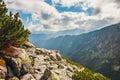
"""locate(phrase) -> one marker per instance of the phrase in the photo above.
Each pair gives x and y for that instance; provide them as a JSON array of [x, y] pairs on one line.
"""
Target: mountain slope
[[97, 50], [31, 63]]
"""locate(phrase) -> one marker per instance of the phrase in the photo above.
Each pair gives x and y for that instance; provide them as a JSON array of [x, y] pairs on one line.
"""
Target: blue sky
[[58, 15]]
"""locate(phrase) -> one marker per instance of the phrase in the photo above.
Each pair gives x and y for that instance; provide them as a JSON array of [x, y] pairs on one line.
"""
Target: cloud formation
[[46, 17]]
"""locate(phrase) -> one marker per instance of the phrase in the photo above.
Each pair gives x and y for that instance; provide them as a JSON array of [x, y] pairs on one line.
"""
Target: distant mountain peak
[[100, 48]]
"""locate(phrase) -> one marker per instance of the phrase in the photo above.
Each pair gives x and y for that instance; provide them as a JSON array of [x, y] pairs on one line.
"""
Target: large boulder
[[26, 61], [16, 65], [55, 56], [69, 68], [50, 75], [21, 63], [42, 51], [10, 73], [58, 56], [28, 45]]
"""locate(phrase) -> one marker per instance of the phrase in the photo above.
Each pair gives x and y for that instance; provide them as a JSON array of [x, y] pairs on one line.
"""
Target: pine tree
[[12, 31], [3, 8]]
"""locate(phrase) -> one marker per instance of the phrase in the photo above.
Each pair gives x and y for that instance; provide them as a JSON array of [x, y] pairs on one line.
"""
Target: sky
[[58, 15]]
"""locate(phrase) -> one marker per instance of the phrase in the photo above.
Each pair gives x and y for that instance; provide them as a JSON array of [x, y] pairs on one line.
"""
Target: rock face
[[31, 63]]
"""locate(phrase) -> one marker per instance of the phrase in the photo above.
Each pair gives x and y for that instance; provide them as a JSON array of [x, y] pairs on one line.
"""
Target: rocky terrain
[[31, 63]]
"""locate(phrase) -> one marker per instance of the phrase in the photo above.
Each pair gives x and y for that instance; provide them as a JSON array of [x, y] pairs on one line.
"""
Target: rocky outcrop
[[31, 63], [50, 75]]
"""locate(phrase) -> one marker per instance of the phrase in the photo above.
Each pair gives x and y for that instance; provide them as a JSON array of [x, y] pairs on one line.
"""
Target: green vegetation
[[86, 74], [71, 62], [12, 31]]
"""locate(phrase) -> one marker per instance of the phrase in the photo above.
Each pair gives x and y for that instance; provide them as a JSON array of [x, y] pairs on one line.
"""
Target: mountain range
[[41, 37], [97, 50]]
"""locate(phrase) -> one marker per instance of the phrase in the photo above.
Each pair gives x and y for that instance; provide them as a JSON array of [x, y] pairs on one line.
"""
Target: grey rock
[[50, 75], [21, 63], [3, 72], [16, 65], [28, 45], [10, 73], [27, 77], [61, 66], [59, 58], [69, 68]]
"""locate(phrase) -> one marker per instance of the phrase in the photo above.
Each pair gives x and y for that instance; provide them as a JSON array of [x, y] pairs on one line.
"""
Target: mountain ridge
[[101, 47]]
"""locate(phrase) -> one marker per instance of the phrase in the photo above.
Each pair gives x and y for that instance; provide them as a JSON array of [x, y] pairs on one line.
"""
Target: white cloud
[[105, 12], [66, 3]]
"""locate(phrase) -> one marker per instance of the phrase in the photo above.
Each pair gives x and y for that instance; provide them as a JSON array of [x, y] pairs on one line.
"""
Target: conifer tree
[[12, 31], [3, 8]]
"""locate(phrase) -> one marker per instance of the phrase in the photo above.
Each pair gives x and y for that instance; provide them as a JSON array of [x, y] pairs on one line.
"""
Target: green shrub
[[12, 31], [88, 75]]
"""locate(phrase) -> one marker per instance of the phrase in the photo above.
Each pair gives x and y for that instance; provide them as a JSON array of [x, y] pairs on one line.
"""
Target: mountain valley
[[97, 50]]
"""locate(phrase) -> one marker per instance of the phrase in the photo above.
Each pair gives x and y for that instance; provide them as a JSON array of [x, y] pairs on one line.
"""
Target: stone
[[58, 56], [53, 76], [26, 61], [69, 74], [38, 76], [41, 50], [18, 67], [30, 51], [21, 63], [46, 58], [38, 52], [28, 45], [61, 66], [13, 78], [27, 77], [9, 72], [50, 75], [69, 68], [3, 71], [41, 67], [16, 64], [75, 67], [81, 69], [53, 57]]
